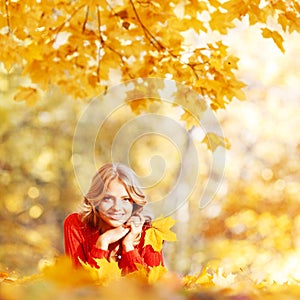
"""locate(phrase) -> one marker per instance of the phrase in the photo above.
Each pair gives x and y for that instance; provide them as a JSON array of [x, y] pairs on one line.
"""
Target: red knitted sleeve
[[78, 243], [144, 255]]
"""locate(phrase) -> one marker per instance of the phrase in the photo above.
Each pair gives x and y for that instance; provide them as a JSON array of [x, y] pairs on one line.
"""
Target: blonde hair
[[100, 182]]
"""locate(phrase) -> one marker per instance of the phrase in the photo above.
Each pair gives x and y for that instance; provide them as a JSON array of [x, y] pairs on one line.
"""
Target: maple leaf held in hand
[[160, 231]]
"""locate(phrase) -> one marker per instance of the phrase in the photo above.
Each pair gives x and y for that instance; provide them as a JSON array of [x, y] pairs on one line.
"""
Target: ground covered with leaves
[[60, 280]]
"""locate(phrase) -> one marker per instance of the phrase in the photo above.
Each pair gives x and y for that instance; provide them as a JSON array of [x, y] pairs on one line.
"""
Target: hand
[[111, 236], [135, 224]]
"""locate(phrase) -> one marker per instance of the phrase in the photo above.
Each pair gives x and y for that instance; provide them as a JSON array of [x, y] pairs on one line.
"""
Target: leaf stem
[[85, 19], [7, 17], [157, 44], [148, 34], [59, 28], [101, 43]]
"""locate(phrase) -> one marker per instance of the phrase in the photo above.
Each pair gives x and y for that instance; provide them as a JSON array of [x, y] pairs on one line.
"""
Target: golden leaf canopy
[[77, 45]]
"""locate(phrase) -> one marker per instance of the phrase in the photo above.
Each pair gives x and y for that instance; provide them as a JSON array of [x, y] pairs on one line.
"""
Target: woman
[[110, 223]]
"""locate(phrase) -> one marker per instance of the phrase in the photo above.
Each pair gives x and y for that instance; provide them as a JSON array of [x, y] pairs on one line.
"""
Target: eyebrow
[[111, 195]]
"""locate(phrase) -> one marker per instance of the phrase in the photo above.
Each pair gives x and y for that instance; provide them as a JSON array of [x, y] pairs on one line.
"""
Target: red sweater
[[80, 242]]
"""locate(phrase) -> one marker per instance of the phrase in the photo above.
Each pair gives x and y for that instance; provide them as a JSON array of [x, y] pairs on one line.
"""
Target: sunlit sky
[[265, 125]]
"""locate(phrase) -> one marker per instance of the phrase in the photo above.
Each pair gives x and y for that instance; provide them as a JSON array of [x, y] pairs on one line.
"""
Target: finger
[[135, 224], [119, 232], [136, 228], [124, 230], [137, 220]]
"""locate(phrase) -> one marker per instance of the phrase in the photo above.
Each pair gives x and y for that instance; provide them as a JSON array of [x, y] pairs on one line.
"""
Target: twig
[[85, 19], [59, 28], [7, 17], [148, 34], [101, 43], [157, 44], [115, 51]]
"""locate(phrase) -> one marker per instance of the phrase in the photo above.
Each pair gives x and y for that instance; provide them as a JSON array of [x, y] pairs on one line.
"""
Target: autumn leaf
[[213, 141], [159, 232], [218, 18], [137, 106], [91, 270], [140, 41], [205, 278], [28, 94], [108, 270], [156, 273], [293, 20], [277, 38], [147, 275], [140, 274], [220, 278], [4, 277], [61, 272], [189, 119]]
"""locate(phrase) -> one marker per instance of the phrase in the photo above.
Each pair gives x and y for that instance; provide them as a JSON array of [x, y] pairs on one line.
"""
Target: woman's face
[[115, 206]]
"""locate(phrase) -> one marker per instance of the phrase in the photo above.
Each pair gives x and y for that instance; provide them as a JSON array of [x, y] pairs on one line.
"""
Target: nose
[[117, 204]]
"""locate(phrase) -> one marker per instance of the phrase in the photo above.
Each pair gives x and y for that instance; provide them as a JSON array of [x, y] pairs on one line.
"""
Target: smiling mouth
[[116, 217]]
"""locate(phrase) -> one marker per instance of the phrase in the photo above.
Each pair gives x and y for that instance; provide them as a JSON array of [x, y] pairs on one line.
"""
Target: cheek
[[103, 206], [129, 208]]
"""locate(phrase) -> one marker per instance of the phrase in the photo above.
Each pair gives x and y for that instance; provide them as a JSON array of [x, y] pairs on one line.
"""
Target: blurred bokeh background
[[251, 226]]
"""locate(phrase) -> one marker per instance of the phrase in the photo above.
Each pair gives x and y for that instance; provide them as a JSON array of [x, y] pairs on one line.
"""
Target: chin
[[115, 223]]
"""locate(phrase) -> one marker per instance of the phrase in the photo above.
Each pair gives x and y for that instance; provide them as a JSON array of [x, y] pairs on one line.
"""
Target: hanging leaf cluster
[[80, 45]]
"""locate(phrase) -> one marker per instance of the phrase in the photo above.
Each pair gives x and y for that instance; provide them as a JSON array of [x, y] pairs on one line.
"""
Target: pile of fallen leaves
[[59, 279]]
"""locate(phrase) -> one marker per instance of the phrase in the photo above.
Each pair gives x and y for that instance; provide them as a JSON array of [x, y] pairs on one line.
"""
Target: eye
[[127, 199], [107, 198]]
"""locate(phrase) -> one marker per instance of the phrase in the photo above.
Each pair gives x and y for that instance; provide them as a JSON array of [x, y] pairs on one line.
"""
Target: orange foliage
[[76, 44]]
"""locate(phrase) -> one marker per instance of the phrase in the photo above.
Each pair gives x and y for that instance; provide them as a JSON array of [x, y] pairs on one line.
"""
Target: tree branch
[[148, 34], [85, 19], [101, 43], [157, 44], [59, 28], [7, 17]]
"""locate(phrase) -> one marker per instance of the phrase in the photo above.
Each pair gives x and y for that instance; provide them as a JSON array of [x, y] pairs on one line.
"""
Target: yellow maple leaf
[[138, 106], [141, 273], [220, 278], [28, 94], [156, 273], [189, 120], [277, 38], [283, 21], [213, 141], [61, 272], [160, 231], [147, 275], [293, 21], [205, 278], [33, 51], [109, 270], [4, 277], [92, 270], [218, 18], [40, 71]]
